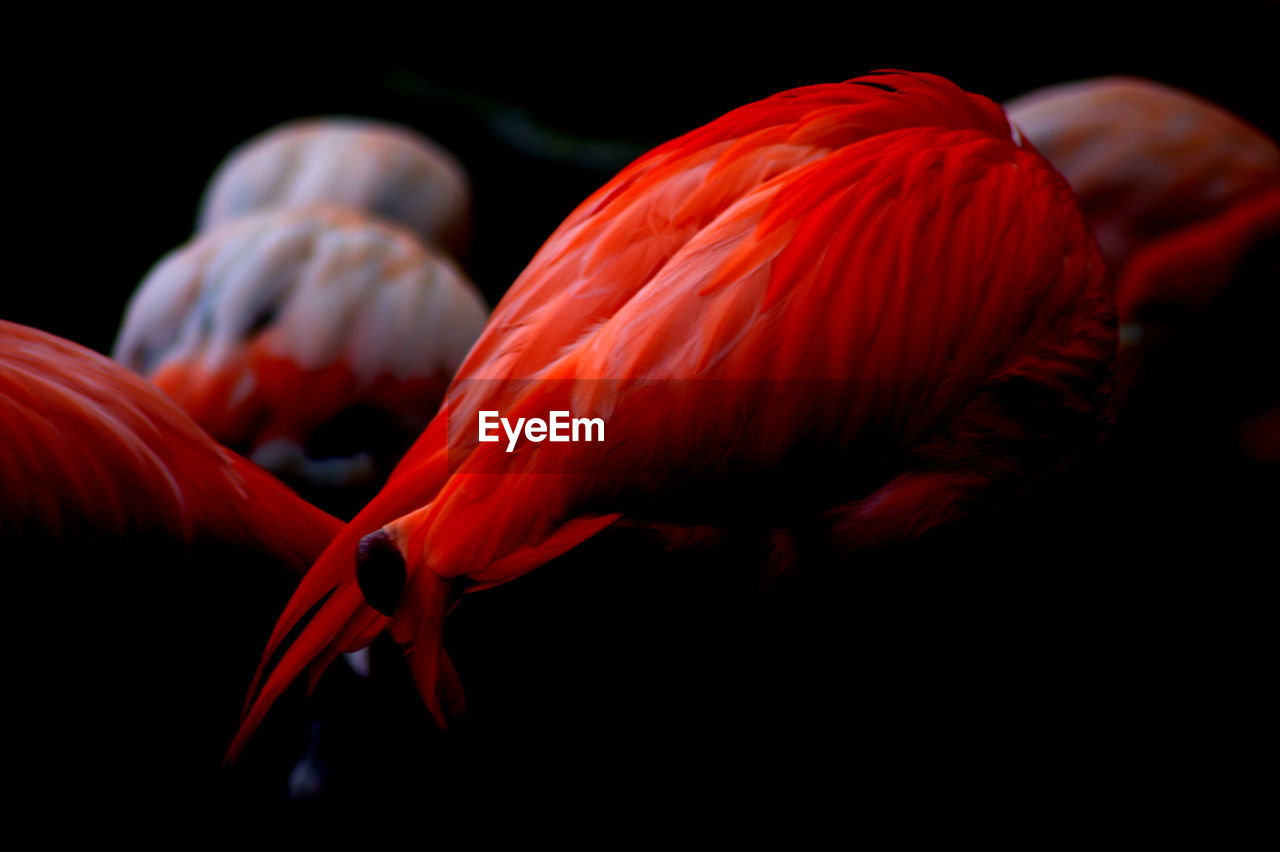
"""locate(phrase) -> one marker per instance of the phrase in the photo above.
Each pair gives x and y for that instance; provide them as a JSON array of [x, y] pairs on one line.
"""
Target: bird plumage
[[1178, 190], [91, 450], [384, 169], [273, 328], [864, 294], [148, 561]]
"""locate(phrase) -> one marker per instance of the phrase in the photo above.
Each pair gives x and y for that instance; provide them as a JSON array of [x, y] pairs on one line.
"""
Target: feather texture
[[787, 310], [269, 329], [386, 170], [93, 451], [1176, 189]]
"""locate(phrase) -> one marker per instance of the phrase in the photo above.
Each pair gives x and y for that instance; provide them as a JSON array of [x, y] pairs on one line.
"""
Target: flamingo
[[318, 341], [384, 169], [1179, 191], [1184, 198], [866, 307], [93, 451], [151, 557]]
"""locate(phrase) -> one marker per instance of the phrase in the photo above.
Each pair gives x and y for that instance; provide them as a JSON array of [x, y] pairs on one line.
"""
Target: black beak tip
[[380, 571]]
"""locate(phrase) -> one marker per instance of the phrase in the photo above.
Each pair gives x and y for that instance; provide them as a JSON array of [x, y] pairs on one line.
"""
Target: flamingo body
[[149, 561], [864, 302], [93, 451], [1177, 189], [383, 169], [270, 329]]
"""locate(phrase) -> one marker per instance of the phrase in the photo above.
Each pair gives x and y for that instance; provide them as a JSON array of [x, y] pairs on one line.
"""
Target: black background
[[118, 127], [1103, 633]]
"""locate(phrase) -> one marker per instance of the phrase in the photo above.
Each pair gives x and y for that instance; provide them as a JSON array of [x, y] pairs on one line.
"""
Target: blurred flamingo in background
[[318, 341], [155, 556], [386, 170], [1178, 190], [1184, 198], [863, 308], [316, 320]]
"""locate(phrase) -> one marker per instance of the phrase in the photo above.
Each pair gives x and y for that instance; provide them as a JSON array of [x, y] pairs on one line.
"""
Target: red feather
[[93, 451], [770, 312], [1177, 189]]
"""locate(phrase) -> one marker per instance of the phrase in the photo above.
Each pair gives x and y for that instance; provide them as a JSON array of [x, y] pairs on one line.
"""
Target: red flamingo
[[1178, 190], [863, 302], [151, 556], [1184, 197], [93, 451]]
